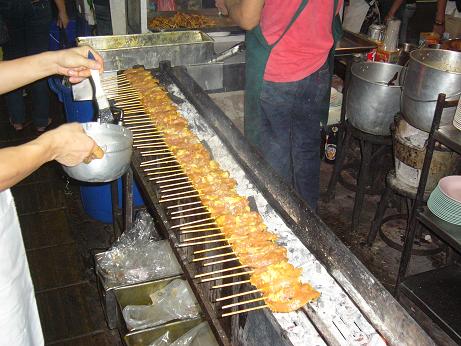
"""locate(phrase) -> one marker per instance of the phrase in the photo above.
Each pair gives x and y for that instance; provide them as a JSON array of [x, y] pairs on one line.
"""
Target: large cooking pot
[[117, 144], [371, 103], [430, 72]]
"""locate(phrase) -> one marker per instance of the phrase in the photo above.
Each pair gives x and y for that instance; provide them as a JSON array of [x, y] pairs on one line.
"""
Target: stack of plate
[[457, 117], [445, 201]]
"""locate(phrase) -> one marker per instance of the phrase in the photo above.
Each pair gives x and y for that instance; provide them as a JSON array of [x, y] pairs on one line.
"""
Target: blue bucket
[[96, 198]]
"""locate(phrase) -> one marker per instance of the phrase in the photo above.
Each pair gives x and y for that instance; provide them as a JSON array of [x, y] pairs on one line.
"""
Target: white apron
[[19, 320]]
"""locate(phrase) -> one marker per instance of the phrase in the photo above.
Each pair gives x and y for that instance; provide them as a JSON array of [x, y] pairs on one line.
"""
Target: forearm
[[18, 162], [246, 13], [61, 5], [394, 8], [440, 14], [31, 68]]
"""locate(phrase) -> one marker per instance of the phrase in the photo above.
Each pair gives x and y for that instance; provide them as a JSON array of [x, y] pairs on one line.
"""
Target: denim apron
[[257, 55]]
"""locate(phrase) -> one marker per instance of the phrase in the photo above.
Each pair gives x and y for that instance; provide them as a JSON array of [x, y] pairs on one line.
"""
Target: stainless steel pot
[[117, 143], [430, 72], [371, 103]]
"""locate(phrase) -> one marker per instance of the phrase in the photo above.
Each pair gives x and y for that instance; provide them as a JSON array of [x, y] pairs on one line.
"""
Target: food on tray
[[181, 21], [252, 243]]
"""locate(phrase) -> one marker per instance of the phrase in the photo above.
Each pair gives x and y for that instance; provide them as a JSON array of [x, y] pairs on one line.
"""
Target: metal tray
[[137, 294], [352, 43], [125, 51], [222, 23], [147, 336]]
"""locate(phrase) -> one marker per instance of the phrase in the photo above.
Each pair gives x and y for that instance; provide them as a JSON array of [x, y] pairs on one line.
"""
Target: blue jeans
[[28, 29], [290, 130]]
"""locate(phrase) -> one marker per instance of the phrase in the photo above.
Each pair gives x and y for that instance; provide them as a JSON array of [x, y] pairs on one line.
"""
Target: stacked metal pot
[[378, 91]]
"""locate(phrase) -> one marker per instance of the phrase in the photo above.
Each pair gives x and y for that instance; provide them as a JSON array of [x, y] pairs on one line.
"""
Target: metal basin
[[117, 143], [429, 73], [371, 104]]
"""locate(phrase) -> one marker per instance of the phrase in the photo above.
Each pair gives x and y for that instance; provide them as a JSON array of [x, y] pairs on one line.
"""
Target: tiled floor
[[55, 231]]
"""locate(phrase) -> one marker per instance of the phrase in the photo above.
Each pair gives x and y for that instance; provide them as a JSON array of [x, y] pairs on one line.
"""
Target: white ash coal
[[334, 308]]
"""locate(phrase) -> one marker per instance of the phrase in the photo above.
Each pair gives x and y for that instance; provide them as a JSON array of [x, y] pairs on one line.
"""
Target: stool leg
[[340, 157], [378, 219], [366, 149]]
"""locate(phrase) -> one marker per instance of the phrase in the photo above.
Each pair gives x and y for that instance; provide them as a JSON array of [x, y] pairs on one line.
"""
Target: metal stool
[[367, 141], [395, 186]]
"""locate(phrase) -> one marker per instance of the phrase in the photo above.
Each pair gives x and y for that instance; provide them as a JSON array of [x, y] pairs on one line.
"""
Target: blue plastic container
[[96, 198]]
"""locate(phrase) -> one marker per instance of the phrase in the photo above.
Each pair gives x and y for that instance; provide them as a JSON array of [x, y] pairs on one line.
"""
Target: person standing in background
[[448, 18], [288, 79], [102, 17], [28, 25]]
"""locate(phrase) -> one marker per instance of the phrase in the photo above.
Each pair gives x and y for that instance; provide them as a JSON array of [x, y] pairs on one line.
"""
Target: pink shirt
[[305, 47]]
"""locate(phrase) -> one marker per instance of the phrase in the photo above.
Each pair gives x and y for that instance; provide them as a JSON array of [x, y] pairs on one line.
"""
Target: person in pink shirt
[[288, 75]]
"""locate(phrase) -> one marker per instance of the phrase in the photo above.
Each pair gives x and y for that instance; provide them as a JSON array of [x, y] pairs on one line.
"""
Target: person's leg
[[38, 19], [103, 20], [277, 101], [312, 101], [13, 13]]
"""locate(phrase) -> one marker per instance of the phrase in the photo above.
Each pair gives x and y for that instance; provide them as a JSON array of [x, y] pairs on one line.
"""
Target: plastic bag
[[136, 257], [197, 336], [166, 5], [173, 302], [164, 340]]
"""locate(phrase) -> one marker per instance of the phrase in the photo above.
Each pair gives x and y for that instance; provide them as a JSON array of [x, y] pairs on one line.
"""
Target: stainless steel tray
[[125, 51], [352, 43]]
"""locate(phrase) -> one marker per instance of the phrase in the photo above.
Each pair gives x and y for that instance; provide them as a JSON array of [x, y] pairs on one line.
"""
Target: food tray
[[352, 43], [121, 52], [222, 23]]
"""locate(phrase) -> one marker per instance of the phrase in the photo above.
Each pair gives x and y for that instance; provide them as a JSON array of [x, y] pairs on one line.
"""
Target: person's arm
[[394, 8], [439, 21], [69, 62], [63, 19], [68, 144], [246, 13]]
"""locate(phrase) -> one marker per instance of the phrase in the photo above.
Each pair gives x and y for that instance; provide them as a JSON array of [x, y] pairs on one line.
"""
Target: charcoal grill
[[354, 307]]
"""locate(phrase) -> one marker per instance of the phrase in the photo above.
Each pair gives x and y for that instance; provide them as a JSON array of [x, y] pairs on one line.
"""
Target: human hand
[[439, 28], [69, 144], [221, 6], [75, 64], [63, 19]]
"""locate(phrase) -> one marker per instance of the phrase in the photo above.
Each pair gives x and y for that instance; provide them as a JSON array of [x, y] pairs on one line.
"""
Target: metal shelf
[[436, 293], [448, 232], [449, 136]]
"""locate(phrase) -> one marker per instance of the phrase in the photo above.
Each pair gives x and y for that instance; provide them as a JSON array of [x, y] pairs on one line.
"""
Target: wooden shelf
[[436, 293]]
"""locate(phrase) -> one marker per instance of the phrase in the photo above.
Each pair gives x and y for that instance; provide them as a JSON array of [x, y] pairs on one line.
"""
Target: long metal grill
[[197, 229]]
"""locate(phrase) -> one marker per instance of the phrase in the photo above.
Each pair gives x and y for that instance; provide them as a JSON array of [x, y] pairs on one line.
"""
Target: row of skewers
[[203, 199]]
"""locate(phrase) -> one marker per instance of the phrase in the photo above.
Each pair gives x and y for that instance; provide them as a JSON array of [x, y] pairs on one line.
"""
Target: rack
[[433, 292]]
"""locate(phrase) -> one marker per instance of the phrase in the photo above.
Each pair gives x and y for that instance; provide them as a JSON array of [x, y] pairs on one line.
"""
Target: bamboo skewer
[[238, 295], [147, 146], [156, 152], [243, 303], [200, 230], [191, 223], [187, 210], [176, 198], [219, 270], [221, 261], [138, 127], [227, 276], [160, 161], [195, 226], [168, 171], [178, 194], [145, 129], [146, 135], [151, 140], [177, 188], [175, 184], [214, 249], [168, 180], [191, 215], [245, 310], [183, 204], [147, 121], [161, 167], [199, 259], [203, 237], [231, 284], [202, 242]]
